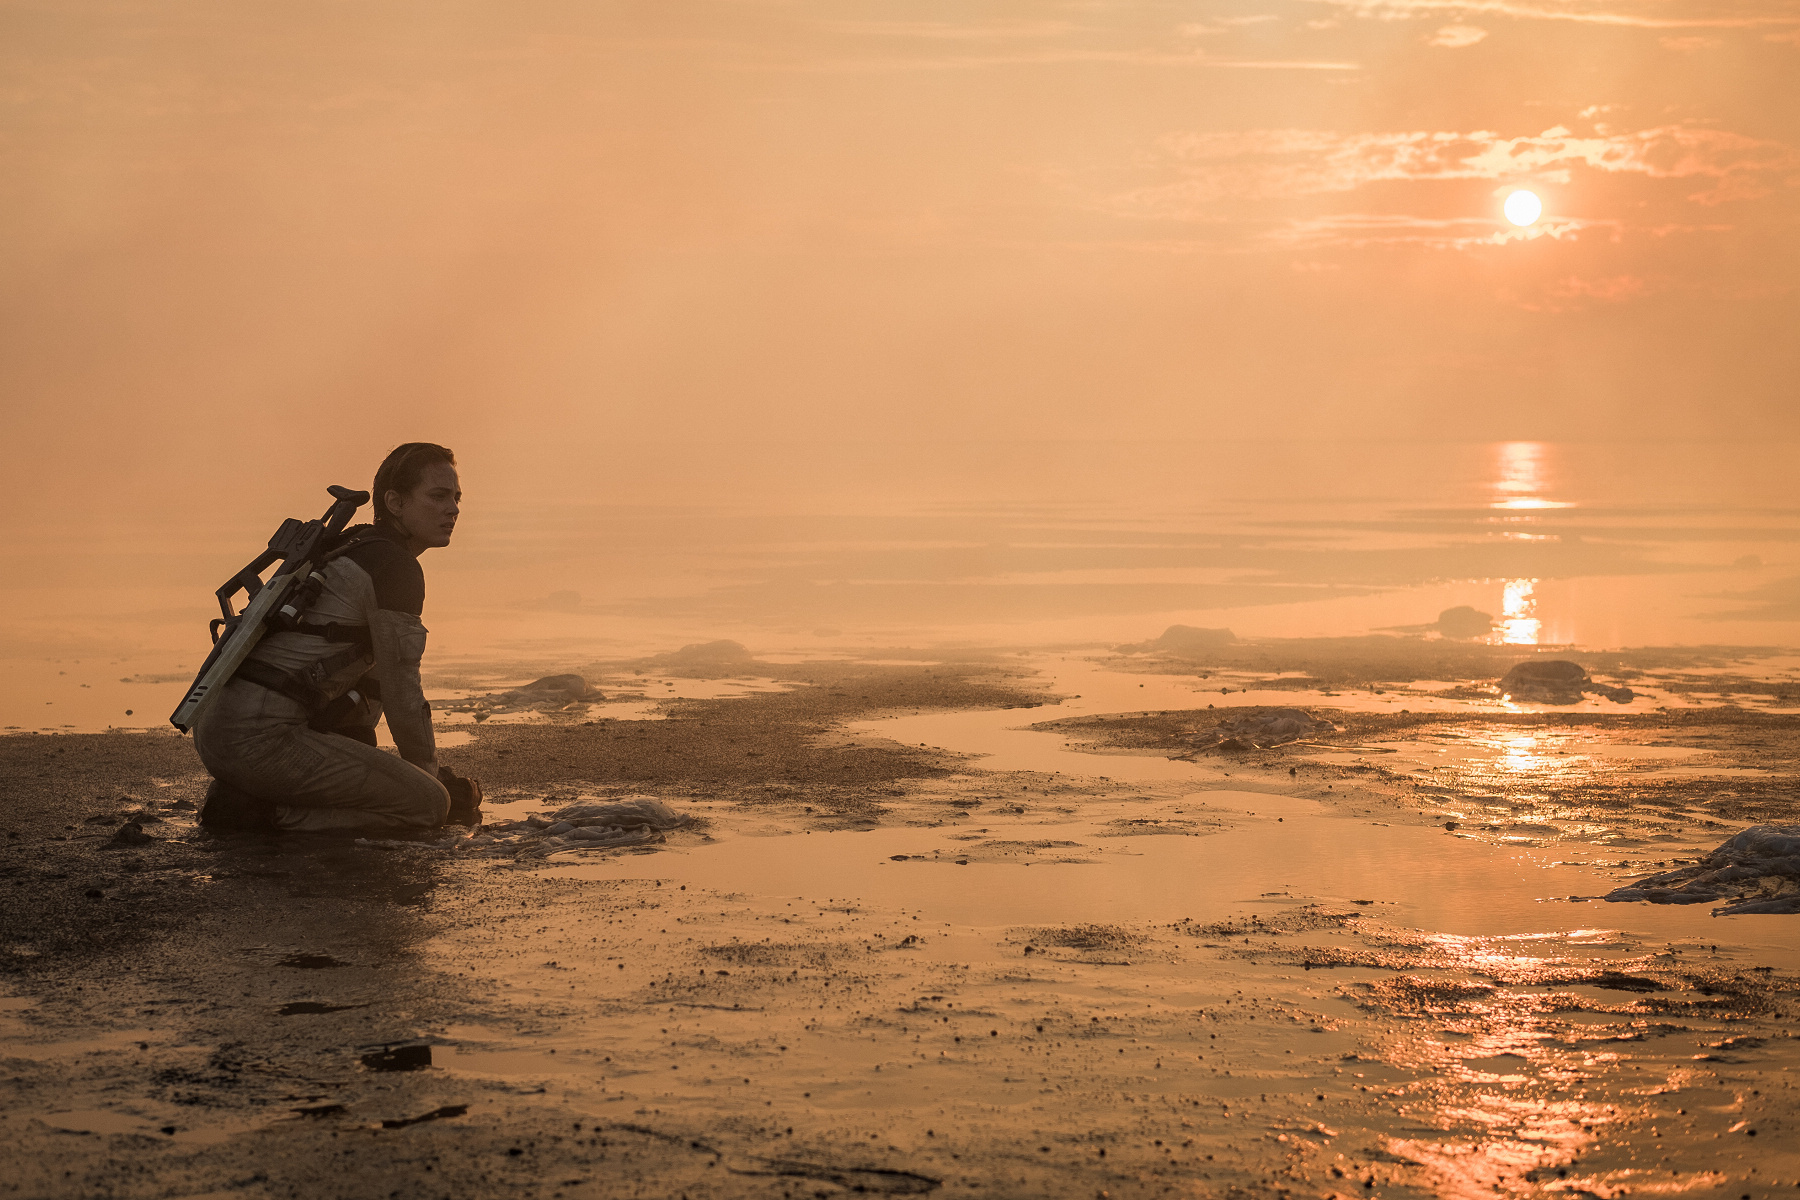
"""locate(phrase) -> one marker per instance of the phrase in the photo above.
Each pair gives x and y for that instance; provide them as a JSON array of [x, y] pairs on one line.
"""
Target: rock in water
[[1183, 640], [1556, 681], [1757, 871], [1464, 622], [703, 655], [555, 687]]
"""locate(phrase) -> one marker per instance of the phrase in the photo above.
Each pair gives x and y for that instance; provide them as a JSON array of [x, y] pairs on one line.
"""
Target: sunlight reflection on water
[[1519, 625]]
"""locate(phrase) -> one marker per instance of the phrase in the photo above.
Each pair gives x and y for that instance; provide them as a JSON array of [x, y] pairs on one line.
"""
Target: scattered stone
[[130, 834]]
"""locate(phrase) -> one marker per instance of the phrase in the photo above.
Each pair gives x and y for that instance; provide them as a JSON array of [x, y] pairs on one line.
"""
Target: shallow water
[[1217, 848], [1278, 851]]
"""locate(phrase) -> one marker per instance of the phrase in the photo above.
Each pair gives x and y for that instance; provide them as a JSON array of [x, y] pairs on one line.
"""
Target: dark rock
[[707, 654], [408, 1057], [1553, 681], [130, 834], [554, 687], [436, 1114]]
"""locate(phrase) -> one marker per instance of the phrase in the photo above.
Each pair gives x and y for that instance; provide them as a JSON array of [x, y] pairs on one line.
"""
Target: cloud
[[955, 31], [1357, 230], [1282, 163], [1455, 37], [1689, 43], [1145, 58], [1585, 13]]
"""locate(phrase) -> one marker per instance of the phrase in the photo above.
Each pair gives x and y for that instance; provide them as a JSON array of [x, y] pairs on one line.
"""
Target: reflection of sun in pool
[[1523, 207]]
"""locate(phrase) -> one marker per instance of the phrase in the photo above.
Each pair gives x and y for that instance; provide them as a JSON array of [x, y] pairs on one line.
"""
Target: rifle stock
[[295, 545]]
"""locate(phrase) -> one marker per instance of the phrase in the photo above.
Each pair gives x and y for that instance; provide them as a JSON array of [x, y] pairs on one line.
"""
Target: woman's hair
[[402, 470]]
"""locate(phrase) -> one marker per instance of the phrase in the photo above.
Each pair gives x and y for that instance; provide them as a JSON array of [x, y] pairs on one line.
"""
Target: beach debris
[[585, 824], [1755, 871], [1556, 681], [627, 811], [1260, 728], [406, 1056], [552, 693], [1182, 640]]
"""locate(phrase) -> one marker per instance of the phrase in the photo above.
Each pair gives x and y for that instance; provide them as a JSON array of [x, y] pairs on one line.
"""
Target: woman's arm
[[399, 639]]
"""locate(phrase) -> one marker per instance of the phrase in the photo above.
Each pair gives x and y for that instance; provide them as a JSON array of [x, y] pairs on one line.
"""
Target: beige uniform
[[262, 740]]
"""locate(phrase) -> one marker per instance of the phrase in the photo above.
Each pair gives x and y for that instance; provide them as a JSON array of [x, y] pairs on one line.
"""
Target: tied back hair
[[403, 469]]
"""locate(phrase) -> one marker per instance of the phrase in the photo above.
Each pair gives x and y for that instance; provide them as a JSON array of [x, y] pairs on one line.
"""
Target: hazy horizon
[[243, 242]]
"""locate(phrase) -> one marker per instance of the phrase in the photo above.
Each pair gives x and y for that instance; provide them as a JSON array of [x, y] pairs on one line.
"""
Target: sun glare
[[1522, 207]]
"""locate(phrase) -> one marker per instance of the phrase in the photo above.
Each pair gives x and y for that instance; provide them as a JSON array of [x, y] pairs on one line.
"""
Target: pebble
[[131, 834]]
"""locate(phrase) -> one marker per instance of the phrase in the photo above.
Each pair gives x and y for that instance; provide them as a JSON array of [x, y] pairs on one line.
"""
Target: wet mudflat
[[1072, 966]]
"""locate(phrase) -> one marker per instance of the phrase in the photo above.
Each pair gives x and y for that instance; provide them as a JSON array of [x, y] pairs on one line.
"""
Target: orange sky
[[540, 228]]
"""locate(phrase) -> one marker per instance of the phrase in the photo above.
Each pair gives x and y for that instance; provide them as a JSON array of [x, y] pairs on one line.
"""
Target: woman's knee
[[427, 800]]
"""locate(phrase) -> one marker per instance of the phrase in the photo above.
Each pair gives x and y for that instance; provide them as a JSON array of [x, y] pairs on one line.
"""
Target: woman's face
[[427, 514]]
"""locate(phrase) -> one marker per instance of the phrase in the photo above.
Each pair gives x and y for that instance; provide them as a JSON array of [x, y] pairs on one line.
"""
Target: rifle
[[276, 603]]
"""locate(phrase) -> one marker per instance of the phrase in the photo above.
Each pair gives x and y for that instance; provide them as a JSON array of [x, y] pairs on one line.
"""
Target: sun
[[1522, 207]]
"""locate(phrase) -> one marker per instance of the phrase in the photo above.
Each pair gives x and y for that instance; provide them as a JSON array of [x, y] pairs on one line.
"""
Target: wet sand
[[909, 943]]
